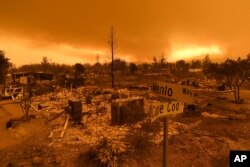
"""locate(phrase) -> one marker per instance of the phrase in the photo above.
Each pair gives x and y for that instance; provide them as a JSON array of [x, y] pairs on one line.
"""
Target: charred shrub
[[108, 154], [88, 99], [139, 140]]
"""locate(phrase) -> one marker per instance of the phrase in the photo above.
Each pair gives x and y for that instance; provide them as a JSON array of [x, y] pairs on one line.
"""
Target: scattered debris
[[120, 94], [9, 123], [139, 87], [221, 98], [174, 129], [12, 91], [65, 126], [37, 161], [206, 114], [109, 123], [88, 99]]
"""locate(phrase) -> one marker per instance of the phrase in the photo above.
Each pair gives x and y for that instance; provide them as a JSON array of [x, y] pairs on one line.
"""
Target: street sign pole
[[165, 141], [183, 94]]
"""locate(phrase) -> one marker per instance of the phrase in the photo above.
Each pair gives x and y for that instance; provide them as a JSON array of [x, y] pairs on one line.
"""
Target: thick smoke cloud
[[144, 28]]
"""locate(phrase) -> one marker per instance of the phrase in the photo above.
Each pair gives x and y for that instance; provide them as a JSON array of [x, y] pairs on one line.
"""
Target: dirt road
[[9, 110]]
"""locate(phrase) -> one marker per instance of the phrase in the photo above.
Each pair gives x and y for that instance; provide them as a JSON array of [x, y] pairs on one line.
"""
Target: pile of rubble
[[108, 153], [174, 128], [104, 125], [96, 116]]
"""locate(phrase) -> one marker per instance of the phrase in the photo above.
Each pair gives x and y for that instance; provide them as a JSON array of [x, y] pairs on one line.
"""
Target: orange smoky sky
[[76, 30]]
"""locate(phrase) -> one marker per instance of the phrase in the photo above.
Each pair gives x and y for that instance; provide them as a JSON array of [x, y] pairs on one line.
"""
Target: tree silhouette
[[196, 64], [79, 70], [206, 62], [181, 67], [120, 65], [133, 68], [4, 65], [45, 63], [163, 60], [234, 72]]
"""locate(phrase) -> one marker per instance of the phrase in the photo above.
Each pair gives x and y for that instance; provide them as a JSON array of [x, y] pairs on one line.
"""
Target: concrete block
[[127, 110], [76, 110]]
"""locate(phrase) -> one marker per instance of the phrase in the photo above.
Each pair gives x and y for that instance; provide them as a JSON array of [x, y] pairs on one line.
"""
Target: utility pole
[[111, 43]]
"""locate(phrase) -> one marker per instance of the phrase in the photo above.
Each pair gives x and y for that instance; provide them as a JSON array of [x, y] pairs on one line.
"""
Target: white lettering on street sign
[[159, 109], [182, 93]]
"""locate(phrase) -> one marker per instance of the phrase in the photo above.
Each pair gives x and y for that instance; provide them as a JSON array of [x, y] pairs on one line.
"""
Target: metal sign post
[[181, 93], [165, 141]]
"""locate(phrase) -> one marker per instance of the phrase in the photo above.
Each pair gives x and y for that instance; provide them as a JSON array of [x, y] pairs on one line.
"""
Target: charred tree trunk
[[235, 93], [238, 93], [111, 43]]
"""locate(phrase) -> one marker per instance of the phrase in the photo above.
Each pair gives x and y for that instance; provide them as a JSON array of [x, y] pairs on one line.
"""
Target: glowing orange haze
[[22, 51], [194, 52], [77, 30]]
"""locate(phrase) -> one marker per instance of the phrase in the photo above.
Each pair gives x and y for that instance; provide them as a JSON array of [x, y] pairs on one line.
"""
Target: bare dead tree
[[111, 43], [236, 73], [25, 102], [4, 65], [163, 60]]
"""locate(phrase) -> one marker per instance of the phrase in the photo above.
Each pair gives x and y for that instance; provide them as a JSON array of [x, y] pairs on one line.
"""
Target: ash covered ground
[[200, 137]]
